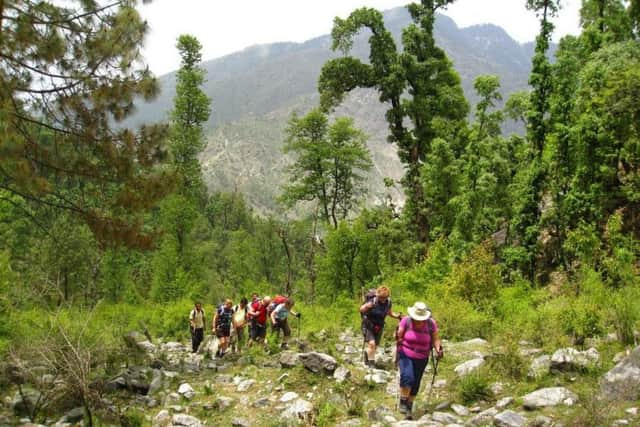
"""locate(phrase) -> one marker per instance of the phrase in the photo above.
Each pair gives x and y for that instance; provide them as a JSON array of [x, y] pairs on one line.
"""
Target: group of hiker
[[230, 322], [416, 336]]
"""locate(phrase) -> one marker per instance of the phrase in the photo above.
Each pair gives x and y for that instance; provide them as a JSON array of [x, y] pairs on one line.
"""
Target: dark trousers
[[197, 335], [411, 371]]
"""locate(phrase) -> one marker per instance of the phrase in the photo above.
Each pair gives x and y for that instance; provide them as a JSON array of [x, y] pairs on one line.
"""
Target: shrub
[[473, 387], [625, 312]]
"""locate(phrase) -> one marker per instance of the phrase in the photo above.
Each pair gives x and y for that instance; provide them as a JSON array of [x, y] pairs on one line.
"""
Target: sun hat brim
[[418, 317]]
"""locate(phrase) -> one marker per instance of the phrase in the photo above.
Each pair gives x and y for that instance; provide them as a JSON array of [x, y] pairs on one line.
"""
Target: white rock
[[468, 366], [503, 403], [632, 411], [572, 359], [540, 366], [509, 419], [460, 410], [162, 419], [444, 418], [185, 420], [245, 385], [289, 396], [186, 390], [551, 396], [298, 409]]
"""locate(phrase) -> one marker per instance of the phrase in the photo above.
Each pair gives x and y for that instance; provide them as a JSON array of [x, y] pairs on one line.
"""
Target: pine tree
[[69, 72], [190, 112]]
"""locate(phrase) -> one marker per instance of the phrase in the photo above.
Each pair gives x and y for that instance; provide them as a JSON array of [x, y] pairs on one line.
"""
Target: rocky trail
[[170, 386]]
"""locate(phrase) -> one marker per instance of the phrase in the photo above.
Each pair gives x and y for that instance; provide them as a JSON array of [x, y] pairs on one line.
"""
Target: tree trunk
[[285, 244]]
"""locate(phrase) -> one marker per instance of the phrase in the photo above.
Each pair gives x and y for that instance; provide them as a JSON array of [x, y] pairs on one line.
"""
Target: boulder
[[289, 396], [539, 366], [137, 341], [378, 376], [262, 402], [186, 390], [341, 374], [185, 420], [288, 359], [570, 359], [622, 382], [300, 409], [483, 418], [551, 396], [353, 422], [460, 410], [223, 402], [509, 419], [209, 346], [503, 403], [245, 385], [541, 421], [445, 418], [240, 422], [318, 362], [162, 419], [468, 366]]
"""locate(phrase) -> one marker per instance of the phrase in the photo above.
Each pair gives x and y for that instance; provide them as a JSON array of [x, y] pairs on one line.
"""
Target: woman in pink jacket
[[417, 335]]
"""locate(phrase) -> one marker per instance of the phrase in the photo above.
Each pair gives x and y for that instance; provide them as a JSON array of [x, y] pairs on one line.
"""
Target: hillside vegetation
[[524, 246]]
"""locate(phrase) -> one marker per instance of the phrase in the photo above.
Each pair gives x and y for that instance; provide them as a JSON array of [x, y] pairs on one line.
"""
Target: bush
[[625, 312], [473, 387]]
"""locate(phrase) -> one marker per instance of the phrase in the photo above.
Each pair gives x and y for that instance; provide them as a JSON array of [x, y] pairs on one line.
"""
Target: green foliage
[[190, 112], [329, 166], [624, 313], [435, 105], [473, 387], [68, 82], [477, 278]]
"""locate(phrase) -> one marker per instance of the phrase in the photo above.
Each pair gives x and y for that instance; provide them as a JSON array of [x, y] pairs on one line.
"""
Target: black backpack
[[370, 296]]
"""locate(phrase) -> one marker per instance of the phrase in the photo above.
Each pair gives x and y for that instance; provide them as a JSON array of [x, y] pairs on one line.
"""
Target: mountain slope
[[255, 90]]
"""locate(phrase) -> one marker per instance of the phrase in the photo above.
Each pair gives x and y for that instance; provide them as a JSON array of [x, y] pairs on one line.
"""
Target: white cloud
[[226, 26]]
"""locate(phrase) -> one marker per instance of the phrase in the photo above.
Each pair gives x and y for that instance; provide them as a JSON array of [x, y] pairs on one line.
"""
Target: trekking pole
[[298, 327], [434, 363]]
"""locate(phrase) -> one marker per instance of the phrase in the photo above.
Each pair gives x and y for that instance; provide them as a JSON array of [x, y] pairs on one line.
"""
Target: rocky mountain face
[[254, 92]]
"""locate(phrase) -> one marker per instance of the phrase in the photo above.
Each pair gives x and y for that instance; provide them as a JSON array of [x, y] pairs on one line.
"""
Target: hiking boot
[[403, 407], [284, 346]]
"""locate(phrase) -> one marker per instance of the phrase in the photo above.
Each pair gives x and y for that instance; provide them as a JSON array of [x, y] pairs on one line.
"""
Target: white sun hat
[[419, 311]]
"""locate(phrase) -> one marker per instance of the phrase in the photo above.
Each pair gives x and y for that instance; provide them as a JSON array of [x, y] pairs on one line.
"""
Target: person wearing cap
[[417, 335]]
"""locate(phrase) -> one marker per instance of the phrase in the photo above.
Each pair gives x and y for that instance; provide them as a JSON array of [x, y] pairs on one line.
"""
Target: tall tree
[[191, 110], [434, 106], [68, 73], [329, 166]]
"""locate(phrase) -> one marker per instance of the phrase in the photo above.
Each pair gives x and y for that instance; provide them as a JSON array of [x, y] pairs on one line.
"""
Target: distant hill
[[255, 90]]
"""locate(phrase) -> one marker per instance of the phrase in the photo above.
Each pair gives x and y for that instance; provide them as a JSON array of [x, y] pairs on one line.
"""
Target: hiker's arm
[[213, 323], [273, 317], [437, 344], [366, 307], [400, 334], [397, 316]]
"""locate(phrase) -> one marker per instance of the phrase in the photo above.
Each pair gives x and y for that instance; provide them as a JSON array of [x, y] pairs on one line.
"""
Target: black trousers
[[197, 335]]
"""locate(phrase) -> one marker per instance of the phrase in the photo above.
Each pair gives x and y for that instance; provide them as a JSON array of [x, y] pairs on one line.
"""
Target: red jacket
[[257, 307]]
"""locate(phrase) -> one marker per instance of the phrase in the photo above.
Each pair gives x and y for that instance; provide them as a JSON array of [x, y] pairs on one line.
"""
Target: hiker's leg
[[371, 350], [194, 340], [407, 379], [419, 365], [199, 338], [286, 332]]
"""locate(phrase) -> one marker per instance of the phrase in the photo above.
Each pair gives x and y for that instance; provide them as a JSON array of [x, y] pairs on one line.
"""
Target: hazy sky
[[226, 26]]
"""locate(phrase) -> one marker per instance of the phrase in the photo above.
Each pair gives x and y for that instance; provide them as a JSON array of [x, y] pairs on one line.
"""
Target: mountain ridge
[[254, 91]]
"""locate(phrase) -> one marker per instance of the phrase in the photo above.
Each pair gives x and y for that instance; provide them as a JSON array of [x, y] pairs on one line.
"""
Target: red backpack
[[276, 301]]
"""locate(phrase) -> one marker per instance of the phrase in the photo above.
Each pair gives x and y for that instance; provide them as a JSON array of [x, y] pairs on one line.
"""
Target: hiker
[[221, 326], [417, 335], [254, 298], [376, 308], [239, 321], [196, 321], [279, 321], [258, 318]]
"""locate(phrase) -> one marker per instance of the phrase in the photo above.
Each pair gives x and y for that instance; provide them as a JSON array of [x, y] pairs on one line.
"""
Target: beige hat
[[419, 311]]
